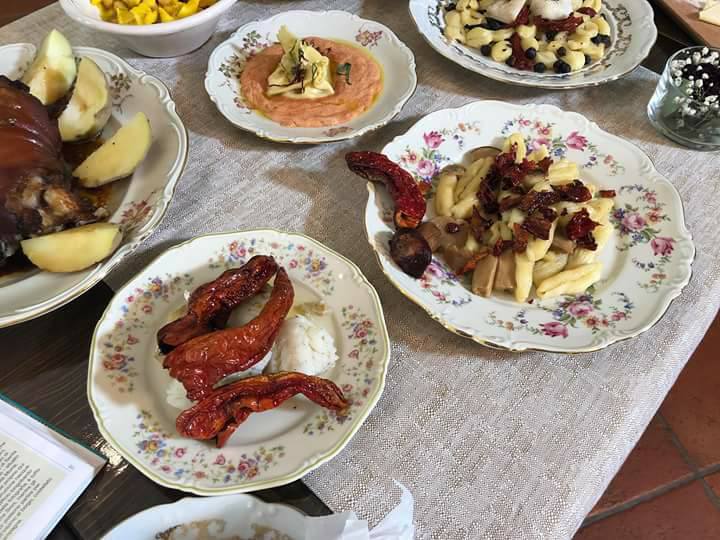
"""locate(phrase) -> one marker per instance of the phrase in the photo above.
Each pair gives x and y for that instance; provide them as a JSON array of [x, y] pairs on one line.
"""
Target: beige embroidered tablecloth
[[492, 444]]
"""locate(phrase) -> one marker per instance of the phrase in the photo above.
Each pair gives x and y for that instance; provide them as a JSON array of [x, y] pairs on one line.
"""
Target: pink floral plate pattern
[[127, 386], [137, 204], [645, 265], [227, 62]]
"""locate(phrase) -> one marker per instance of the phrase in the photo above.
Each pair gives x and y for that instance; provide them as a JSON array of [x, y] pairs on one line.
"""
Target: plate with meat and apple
[[238, 361], [90, 152]]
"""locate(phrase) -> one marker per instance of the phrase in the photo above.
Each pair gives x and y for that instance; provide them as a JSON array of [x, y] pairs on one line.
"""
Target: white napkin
[[397, 525]]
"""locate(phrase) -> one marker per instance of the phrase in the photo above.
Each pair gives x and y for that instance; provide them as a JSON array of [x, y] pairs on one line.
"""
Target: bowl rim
[[206, 15]]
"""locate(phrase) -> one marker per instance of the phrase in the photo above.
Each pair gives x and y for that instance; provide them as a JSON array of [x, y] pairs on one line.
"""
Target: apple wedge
[[119, 156], [90, 104], [52, 73], [73, 249]]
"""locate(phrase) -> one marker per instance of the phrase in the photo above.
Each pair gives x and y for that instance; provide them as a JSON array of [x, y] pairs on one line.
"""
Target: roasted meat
[[205, 360], [36, 194], [210, 304], [224, 409]]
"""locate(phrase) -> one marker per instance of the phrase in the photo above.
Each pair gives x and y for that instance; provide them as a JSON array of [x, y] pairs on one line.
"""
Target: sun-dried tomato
[[520, 61], [520, 241], [511, 201], [534, 200], [500, 246], [523, 17], [487, 197], [548, 213], [580, 225], [607, 193], [479, 224], [404, 190], [544, 164], [574, 191], [568, 24], [538, 226], [587, 11], [587, 242]]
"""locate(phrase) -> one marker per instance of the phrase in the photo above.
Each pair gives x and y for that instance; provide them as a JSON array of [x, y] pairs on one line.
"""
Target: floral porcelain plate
[[230, 516], [227, 62], [130, 392], [646, 263], [633, 35], [137, 203]]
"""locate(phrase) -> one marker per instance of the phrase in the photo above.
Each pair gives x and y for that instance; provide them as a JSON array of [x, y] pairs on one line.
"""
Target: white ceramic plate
[[646, 264], [633, 35], [231, 516], [138, 203], [127, 384], [228, 59]]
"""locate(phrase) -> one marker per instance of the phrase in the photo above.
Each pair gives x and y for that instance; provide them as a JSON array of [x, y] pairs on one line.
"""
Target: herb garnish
[[344, 71]]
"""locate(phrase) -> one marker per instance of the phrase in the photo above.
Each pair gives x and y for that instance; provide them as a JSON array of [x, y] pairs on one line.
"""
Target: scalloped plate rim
[[518, 80], [523, 345], [101, 270], [309, 464], [268, 135]]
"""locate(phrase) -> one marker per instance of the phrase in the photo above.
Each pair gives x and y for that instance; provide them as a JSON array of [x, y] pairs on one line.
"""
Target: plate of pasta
[[538, 229], [557, 44]]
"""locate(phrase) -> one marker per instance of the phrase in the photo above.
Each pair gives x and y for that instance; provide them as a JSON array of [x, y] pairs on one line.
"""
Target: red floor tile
[[654, 462], [714, 481], [693, 406], [684, 513]]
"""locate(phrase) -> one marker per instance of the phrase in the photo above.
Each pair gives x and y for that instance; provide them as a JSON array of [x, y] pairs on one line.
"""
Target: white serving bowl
[[160, 40]]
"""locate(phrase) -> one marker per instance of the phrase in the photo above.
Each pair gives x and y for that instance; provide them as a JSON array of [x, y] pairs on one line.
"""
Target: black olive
[[539, 68], [510, 61], [472, 26], [562, 67], [493, 24], [562, 51], [530, 53], [588, 60], [606, 39], [486, 50], [596, 39], [452, 228], [451, 7], [550, 35]]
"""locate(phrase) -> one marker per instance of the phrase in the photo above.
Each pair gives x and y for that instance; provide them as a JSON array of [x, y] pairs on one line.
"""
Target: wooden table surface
[[43, 366]]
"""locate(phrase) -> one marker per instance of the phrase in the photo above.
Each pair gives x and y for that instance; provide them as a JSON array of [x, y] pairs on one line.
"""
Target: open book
[[42, 473]]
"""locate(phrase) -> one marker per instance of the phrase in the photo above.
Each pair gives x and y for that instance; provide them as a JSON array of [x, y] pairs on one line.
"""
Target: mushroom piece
[[484, 276], [411, 252], [453, 169], [505, 275], [457, 258], [483, 152], [431, 233], [454, 231]]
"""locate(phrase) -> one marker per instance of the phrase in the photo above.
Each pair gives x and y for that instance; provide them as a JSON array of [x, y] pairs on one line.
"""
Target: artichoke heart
[[303, 73]]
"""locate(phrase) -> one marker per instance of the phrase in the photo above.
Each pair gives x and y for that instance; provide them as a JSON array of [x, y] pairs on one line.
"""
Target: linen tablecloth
[[492, 444]]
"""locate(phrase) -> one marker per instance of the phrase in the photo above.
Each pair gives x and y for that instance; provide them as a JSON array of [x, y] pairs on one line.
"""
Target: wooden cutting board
[[687, 14]]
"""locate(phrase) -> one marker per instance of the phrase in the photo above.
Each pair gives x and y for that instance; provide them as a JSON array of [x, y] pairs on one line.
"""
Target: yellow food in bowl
[[148, 11]]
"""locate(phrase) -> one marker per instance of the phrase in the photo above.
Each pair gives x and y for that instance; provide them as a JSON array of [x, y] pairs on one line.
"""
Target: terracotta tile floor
[[669, 487]]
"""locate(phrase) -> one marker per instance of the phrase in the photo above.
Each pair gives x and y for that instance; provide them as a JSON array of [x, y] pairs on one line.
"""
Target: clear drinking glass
[[678, 112]]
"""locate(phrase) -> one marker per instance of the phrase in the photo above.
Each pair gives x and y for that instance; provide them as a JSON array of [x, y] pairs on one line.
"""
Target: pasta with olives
[[560, 36]]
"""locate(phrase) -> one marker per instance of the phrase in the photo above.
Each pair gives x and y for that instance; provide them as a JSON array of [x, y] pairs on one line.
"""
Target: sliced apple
[[73, 249], [53, 71], [90, 105], [119, 156]]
